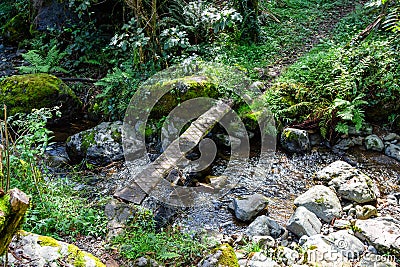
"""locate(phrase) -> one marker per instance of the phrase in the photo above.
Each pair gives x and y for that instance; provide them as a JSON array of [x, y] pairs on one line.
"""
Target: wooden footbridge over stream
[[150, 179]]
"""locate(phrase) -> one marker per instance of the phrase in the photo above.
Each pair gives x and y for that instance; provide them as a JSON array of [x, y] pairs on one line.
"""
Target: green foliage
[[118, 88], [56, 210], [170, 247], [40, 63]]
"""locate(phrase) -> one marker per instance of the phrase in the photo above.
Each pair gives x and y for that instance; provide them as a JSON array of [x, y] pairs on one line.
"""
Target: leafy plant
[[171, 247], [40, 63]]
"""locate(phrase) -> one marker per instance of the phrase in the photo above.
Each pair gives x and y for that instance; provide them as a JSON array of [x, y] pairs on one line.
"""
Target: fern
[[43, 64]]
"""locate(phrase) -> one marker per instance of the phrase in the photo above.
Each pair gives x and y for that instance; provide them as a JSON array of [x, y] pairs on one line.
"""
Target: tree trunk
[[13, 206]]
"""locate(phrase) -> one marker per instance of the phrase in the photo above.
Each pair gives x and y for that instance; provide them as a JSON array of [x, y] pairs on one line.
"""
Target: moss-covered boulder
[[228, 256], [47, 251], [22, 93], [99, 146]]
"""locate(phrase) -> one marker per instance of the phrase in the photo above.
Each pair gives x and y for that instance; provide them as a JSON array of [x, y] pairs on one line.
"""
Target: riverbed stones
[[382, 232], [304, 222], [393, 151], [295, 140], [321, 201], [98, 146], [373, 142], [265, 226], [247, 208], [350, 246], [41, 251], [391, 137], [349, 182]]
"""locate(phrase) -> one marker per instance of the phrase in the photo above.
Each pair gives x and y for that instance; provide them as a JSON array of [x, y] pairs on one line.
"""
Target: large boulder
[[247, 208], [295, 140], [321, 201], [99, 146], [22, 93], [349, 182], [383, 233], [46, 251], [304, 222]]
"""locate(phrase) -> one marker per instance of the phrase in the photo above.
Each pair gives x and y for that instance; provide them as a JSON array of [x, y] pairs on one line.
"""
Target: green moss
[[77, 257], [289, 136], [48, 241], [228, 257], [180, 90], [4, 209], [88, 140], [319, 200], [22, 93]]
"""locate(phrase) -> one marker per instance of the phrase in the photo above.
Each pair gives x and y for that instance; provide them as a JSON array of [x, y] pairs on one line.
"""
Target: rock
[[349, 182], [321, 201], [228, 256], [341, 224], [373, 142], [304, 222], [53, 14], [248, 208], [372, 259], [46, 251], [228, 141], [347, 143], [382, 232], [22, 93], [266, 241], [145, 262], [349, 245], [393, 151], [264, 226], [391, 137], [260, 260], [99, 146], [365, 212], [295, 140], [288, 256], [366, 129], [56, 156]]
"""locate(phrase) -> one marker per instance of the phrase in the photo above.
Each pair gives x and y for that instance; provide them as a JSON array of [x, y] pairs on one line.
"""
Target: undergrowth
[[169, 246]]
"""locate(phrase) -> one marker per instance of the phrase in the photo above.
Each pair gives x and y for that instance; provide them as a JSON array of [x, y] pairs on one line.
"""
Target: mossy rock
[[48, 251], [22, 93], [228, 257], [180, 90]]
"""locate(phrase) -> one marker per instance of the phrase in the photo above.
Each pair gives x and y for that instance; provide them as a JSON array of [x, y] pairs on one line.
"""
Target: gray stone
[[382, 232], [391, 137], [263, 226], [46, 251], [288, 256], [349, 182], [365, 212], [228, 141], [320, 251], [347, 143], [342, 224], [366, 129], [295, 140], [249, 207], [266, 241], [260, 260], [304, 222], [321, 201], [393, 151], [373, 142], [375, 260], [349, 245], [211, 260], [99, 146]]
